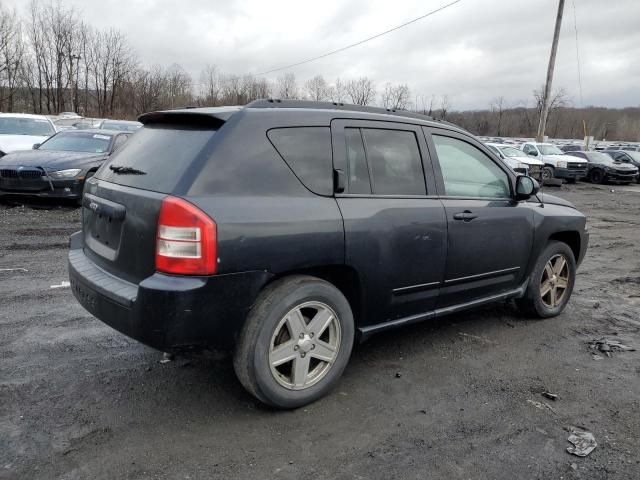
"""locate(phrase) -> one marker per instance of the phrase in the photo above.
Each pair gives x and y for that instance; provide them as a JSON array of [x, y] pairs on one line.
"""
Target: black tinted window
[[155, 157], [307, 151], [394, 161], [357, 172]]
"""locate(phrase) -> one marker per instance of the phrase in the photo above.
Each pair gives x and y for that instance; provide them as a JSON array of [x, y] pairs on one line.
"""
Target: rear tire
[[550, 283], [296, 323], [596, 176]]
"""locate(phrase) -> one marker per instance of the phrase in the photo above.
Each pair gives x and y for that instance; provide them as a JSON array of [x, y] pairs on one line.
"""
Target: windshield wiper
[[126, 170]]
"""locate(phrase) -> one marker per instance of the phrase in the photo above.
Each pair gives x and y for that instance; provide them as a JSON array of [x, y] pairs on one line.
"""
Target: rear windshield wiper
[[126, 170]]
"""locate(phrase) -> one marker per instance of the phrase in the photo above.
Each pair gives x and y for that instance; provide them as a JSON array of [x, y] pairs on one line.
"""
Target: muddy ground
[[460, 397]]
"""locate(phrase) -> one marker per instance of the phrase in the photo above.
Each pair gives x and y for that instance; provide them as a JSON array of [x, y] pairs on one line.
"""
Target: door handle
[[467, 216]]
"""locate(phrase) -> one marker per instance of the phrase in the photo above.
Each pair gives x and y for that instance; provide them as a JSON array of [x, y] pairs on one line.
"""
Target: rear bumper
[[164, 311]]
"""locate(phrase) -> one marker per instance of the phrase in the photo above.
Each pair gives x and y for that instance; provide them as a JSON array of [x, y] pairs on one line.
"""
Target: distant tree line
[[52, 61]]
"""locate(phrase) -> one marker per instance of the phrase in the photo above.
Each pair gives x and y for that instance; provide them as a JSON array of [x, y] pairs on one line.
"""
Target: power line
[[342, 49], [575, 27]]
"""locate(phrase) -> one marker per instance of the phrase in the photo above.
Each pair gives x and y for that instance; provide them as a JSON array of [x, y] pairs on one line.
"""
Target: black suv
[[286, 230]]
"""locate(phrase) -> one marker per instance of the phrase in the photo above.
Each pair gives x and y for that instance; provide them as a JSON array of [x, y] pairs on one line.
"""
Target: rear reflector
[[186, 240]]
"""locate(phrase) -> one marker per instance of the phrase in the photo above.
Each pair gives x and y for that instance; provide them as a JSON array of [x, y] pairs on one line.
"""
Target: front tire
[[295, 343], [596, 176], [547, 173], [551, 282]]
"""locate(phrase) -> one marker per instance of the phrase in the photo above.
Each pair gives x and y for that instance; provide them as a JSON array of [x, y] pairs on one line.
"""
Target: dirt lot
[[460, 397]]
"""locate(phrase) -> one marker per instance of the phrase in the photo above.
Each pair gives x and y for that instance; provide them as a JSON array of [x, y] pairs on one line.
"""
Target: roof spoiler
[[203, 117]]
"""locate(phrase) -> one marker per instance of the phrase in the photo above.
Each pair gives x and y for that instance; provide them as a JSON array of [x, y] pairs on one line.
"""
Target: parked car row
[[39, 160], [571, 162]]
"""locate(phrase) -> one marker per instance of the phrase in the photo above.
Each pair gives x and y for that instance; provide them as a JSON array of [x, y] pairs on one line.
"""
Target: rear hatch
[[121, 203]]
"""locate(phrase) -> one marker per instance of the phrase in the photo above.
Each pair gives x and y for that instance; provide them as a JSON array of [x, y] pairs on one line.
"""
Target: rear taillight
[[186, 240]]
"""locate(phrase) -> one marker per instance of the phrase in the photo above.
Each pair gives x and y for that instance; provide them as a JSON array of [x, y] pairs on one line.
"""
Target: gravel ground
[[460, 397]]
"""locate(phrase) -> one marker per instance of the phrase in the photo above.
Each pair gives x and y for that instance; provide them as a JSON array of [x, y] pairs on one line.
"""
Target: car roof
[[222, 114], [108, 120], [500, 145], [96, 131], [24, 115]]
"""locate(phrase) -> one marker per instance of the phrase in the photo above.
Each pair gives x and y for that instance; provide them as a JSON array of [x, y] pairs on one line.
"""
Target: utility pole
[[552, 62]]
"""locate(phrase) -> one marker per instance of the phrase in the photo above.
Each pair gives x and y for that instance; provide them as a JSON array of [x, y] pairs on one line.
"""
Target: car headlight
[[70, 173], [523, 166], [562, 164]]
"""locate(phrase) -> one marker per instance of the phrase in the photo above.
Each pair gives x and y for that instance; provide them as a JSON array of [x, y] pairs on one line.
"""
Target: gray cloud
[[473, 51]]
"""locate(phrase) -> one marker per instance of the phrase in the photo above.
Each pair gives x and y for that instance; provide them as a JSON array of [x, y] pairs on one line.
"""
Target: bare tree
[[211, 88], [395, 97], [149, 88], [11, 56], [498, 106], [178, 86], [317, 89], [559, 98], [337, 92], [361, 91], [112, 64], [445, 105], [286, 86]]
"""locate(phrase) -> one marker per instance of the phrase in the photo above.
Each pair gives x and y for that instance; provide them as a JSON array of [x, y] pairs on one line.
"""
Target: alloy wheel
[[555, 281], [304, 345]]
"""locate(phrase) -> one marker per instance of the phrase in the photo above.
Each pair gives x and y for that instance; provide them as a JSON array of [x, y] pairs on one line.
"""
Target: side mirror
[[36, 146], [526, 187], [532, 153]]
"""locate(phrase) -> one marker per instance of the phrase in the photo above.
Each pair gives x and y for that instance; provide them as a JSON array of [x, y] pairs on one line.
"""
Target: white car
[[518, 160], [557, 164], [20, 131]]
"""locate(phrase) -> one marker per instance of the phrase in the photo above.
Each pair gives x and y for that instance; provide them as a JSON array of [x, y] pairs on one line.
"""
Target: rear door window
[[156, 157], [307, 151], [357, 171], [394, 161]]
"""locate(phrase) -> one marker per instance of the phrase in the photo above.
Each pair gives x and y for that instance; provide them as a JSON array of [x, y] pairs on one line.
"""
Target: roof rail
[[278, 103]]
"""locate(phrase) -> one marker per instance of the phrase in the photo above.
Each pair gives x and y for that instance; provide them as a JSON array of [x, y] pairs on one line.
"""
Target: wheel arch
[[343, 277], [571, 238]]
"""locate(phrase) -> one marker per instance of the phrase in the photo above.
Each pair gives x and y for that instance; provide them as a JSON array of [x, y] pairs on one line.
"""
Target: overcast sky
[[472, 52]]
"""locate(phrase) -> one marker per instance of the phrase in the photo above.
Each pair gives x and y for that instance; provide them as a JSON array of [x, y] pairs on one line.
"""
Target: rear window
[[155, 157], [307, 151]]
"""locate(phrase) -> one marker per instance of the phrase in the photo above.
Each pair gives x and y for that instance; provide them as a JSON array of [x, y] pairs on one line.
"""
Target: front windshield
[[78, 142], [25, 126], [512, 152], [550, 150]]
